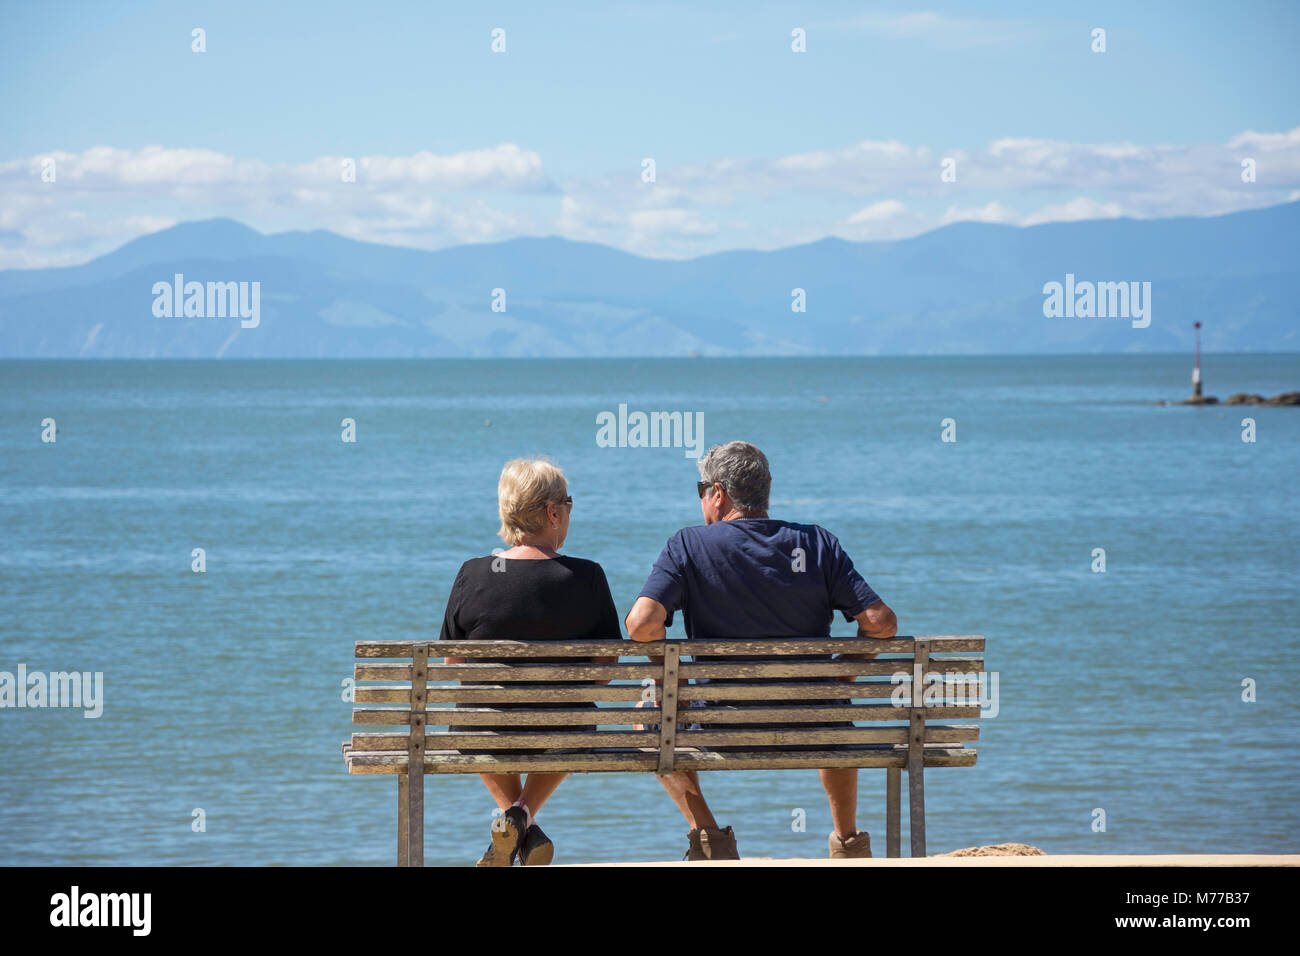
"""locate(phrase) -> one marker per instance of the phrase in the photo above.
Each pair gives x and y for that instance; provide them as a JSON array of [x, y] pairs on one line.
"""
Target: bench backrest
[[418, 695]]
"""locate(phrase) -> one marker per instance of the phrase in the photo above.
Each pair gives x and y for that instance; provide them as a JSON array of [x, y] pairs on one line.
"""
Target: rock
[[1242, 398], [997, 849]]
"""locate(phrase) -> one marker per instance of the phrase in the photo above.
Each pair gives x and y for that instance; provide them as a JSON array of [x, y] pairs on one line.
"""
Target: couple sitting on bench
[[740, 575]]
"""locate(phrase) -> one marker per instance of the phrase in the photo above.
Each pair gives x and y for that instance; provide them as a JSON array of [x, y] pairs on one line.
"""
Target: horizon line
[[658, 358]]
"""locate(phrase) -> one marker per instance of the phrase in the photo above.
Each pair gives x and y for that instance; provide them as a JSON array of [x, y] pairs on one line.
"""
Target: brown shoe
[[537, 848], [507, 833], [708, 843], [856, 847]]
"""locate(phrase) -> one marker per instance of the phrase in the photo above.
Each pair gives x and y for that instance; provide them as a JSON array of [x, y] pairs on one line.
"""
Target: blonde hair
[[527, 486]]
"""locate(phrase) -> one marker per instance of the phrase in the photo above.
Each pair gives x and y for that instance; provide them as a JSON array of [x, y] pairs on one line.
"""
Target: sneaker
[[856, 847], [707, 843], [537, 848], [507, 832]]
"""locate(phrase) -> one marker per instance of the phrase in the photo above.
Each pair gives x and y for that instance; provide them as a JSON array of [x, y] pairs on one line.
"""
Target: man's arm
[[877, 621], [645, 622]]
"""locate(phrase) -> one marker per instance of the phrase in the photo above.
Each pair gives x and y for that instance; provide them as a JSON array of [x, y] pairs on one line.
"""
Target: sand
[[1011, 854], [997, 849]]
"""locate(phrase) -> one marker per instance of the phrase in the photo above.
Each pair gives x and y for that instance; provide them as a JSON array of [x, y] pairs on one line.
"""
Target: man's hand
[[878, 622], [645, 622]]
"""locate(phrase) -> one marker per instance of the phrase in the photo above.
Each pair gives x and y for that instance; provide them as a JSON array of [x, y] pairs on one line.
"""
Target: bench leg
[[892, 836], [916, 806], [415, 818], [403, 830]]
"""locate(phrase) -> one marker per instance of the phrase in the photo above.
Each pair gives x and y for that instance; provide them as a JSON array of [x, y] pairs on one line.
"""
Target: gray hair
[[742, 470]]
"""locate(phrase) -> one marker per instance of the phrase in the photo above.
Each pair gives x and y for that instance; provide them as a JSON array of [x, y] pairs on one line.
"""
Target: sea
[[1132, 565]]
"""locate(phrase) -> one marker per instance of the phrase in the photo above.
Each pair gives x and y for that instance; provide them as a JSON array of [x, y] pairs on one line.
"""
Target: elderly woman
[[530, 592]]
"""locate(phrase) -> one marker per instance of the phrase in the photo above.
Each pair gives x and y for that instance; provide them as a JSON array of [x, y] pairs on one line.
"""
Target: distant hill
[[968, 288]]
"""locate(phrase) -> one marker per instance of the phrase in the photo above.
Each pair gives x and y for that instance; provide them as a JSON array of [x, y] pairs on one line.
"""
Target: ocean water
[[1120, 691]]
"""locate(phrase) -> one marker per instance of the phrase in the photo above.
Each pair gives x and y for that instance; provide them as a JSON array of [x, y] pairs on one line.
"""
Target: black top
[[550, 599]]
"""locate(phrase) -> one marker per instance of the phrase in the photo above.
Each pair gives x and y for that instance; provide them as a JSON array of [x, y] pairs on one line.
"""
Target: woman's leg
[[504, 787], [538, 787], [506, 835], [507, 788]]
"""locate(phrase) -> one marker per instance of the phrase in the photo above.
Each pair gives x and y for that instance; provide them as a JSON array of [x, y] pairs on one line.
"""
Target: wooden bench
[[898, 738]]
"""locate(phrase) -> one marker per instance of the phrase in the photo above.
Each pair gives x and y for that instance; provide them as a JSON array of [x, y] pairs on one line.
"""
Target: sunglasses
[[703, 486]]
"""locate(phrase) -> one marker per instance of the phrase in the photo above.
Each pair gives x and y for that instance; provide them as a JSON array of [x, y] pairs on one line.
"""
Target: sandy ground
[[982, 861]]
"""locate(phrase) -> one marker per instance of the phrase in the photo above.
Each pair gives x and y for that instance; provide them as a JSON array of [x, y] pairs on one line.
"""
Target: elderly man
[[735, 577]]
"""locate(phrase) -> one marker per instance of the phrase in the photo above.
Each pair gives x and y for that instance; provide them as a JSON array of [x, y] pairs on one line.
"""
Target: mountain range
[[967, 288]]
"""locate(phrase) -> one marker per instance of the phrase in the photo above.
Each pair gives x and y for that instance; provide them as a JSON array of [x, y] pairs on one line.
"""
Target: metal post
[[1196, 369]]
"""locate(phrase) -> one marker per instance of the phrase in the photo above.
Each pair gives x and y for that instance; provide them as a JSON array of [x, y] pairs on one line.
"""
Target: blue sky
[[754, 145]]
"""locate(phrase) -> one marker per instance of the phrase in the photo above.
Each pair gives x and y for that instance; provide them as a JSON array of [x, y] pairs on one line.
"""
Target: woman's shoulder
[[582, 565], [579, 567], [475, 566]]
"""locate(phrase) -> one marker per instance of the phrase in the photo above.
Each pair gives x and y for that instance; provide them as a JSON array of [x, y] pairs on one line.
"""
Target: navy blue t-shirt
[[755, 578]]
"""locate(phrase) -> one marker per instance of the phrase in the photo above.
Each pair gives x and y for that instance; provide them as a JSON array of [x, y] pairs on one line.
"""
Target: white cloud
[[1266, 141], [872, 189], [424, 200], [877, 212], [990, 212], [1076, 209], [650, 227], [502, 167], [505, 167]]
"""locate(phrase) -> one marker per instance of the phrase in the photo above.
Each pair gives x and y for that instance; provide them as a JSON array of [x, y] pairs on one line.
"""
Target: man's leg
[[842, 793], [684, 787], [707, 840]]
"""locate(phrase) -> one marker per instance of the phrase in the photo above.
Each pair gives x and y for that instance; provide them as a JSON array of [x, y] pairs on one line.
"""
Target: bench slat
[[482, 694], [617, 716], [380, 762], [594, 740], [520, 672], [639, 671], [837, 690], [523, 693], [773, 647]]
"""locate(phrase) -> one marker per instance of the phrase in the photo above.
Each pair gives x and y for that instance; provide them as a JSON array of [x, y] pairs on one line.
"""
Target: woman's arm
[[451, 627], [608, 628]]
